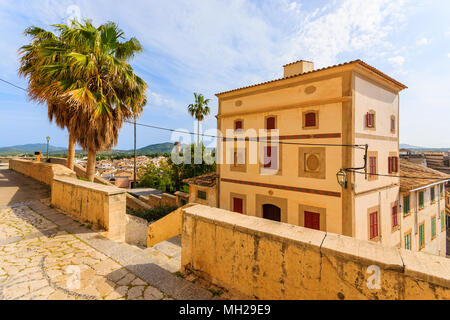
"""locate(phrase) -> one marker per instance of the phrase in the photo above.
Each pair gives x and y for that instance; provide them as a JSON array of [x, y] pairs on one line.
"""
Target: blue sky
[[211, 46]]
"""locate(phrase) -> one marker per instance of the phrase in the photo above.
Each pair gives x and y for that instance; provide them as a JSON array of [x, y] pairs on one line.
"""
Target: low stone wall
[[165, 228], [136, 230], [41, 171], [270, 260], [132, 202], [103, 206], [164, 199]]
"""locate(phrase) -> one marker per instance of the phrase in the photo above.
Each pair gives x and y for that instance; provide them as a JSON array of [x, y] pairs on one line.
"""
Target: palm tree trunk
[[71, 152], [198, 132], [90, 167]]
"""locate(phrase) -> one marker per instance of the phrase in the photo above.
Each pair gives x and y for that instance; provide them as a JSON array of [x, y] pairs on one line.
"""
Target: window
[[270, 123], [393, 165], [393, 124], [370, 119], [433, 195], [406, 202], [238, 205], [408, 241], [201, 195], [441, 190], [422, 236], [443, 221], [421, 201], [312, 220], [373, 223], [238, 125], [271, 158], [310, 119], [394, 217], [373, 166], [433, 227]]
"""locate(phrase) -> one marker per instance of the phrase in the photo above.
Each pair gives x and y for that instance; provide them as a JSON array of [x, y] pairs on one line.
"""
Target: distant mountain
[[156, 148], [31, 148], [422, 149]]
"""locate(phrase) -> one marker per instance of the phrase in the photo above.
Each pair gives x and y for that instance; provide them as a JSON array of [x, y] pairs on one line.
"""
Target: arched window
[[270, 123]]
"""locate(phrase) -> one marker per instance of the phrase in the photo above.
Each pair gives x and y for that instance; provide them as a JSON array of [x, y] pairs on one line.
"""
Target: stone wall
[[163, 199], [136, 230], [41, 171], [269, 260], [132, 202], [103, 206]]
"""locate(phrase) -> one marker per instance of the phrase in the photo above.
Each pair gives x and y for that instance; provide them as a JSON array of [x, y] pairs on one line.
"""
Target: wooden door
[[238, 205]]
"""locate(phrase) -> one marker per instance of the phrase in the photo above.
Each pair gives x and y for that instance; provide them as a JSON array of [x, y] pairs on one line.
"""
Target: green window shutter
[[420, 200], [422, 236], [441, 189], [433, 194], [408, 242], [442, 221], [433, 227], [405, 205], [201, 195]]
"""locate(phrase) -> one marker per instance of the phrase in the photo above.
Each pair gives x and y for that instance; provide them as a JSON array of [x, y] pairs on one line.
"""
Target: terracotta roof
[[360, 62], [207, 180], [410, 169]]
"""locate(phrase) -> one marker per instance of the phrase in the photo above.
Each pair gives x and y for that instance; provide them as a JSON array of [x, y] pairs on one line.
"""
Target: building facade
[[319, 116], [422, 217]]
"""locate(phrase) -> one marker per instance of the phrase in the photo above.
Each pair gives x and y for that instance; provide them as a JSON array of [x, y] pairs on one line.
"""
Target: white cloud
[[423, 41], [397, 61], [448, 55]]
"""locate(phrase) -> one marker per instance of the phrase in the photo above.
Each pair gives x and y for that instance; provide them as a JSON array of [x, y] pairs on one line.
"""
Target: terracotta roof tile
[[360, 62], [410, 169], [206, 180]]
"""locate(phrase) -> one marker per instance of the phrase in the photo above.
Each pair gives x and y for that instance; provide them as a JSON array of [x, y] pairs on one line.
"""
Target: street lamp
[[48, 140], [342, 178]]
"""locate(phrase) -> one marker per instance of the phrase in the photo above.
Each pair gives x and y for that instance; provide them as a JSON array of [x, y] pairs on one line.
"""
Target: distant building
[[422, 218]]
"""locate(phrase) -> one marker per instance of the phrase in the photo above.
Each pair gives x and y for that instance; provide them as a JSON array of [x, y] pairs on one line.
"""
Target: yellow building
[[423, 223], [314, 112]]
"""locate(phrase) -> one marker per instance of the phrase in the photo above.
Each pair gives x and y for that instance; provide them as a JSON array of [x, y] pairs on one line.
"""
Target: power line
[[392, 176], [280, 142], [12, 84], [250, 139]]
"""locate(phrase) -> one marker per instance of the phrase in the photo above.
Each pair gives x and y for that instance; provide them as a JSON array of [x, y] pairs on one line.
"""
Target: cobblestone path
[[38, 260]]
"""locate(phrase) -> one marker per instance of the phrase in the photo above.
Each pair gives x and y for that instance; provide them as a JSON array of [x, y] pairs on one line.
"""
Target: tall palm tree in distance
[[199, 109]]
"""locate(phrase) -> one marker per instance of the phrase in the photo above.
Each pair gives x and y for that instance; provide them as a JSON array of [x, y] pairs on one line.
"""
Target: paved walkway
[[44, 254]]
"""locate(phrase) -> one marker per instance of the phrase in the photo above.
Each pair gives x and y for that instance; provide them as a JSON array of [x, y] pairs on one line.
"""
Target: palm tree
[[32, 59], [91, 74], [199, 110]]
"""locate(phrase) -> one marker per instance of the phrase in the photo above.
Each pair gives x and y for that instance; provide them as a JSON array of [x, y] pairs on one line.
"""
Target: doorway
[[271, 212]]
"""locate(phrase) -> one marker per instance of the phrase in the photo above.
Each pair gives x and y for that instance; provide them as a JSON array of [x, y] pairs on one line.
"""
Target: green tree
[[90, 73], [199, 109], [157, 176]]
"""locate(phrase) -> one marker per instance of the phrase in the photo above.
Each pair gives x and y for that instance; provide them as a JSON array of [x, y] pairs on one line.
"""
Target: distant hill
[[422, 149], [31, 148], [156, 148]]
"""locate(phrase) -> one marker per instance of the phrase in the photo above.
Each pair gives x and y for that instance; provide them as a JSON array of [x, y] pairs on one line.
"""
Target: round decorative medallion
[[238, 103], [312, 162], [271, 192], [310, 90]]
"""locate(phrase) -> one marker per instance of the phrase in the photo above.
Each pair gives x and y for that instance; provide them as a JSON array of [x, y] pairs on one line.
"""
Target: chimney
[[298, 67]]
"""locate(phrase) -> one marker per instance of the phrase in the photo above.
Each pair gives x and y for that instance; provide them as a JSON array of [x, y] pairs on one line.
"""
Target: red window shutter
[[373, 225], [396, 159], [238, 205], [310, 119], [312, 220], [270, 125], [394, 216], [238, 125], [373, 165], [390, 166]]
